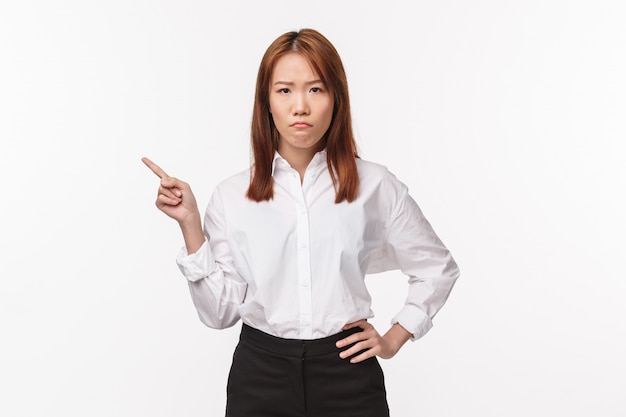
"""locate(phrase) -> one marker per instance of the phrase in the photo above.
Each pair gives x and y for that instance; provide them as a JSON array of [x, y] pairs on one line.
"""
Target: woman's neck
[[298, 159]]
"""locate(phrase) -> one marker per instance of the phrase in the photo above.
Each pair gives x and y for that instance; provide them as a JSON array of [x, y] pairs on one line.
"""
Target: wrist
[[191, 223], [397, 336], [192, 233]]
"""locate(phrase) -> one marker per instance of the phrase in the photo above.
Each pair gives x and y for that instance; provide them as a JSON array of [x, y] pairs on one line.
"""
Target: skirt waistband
[[294, 347]]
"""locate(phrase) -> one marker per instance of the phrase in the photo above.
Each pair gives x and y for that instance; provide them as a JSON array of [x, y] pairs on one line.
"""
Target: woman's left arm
[[413, 247]]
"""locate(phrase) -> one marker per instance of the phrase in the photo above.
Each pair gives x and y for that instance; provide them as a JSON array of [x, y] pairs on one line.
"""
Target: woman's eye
[[283, 90], [316, 90]]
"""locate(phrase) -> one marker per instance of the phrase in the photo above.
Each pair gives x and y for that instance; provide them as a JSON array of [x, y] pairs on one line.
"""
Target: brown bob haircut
[[341, 150]]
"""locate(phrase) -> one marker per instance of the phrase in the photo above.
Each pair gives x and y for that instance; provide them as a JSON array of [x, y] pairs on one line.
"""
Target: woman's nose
[[301, 104]]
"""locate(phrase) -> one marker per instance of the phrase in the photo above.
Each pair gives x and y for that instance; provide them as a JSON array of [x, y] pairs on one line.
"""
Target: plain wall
[[505, 119]]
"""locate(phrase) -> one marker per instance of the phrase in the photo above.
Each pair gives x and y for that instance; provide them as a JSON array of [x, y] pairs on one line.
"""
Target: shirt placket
[[304, 261]]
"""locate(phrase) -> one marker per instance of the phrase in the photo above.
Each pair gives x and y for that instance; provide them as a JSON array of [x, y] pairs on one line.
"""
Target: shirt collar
[[318, 158], [277, 159]]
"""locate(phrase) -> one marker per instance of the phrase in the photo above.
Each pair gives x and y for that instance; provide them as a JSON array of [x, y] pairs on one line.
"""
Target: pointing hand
[[174, 196]]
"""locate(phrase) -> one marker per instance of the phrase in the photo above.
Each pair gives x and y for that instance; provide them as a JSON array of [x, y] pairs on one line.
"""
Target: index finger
[[154, 168]]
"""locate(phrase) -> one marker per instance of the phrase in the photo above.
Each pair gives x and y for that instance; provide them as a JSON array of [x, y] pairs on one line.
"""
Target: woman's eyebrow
[[318, 81]]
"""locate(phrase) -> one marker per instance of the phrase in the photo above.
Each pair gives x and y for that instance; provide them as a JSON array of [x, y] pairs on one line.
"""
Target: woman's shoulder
[[370, 165], [377, 181], [374, 171], [235, 184]]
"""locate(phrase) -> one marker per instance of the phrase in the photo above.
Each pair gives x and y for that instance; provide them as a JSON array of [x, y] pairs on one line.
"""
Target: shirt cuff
[[197, 265], [414, 320]]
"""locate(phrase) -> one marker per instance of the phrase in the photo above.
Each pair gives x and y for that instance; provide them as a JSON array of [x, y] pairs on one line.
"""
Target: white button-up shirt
[[294, 266]]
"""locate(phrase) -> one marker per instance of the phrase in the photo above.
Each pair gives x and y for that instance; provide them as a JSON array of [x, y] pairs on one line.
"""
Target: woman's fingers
[[363, 324], [174, 185], [369, 353], [174, 192], [174, 197], [366, 341], [164, 200], [368, 348], [355, 337], [154, 168]]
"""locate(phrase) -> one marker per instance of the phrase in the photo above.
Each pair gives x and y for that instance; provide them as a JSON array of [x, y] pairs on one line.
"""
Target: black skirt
[[275, 377]]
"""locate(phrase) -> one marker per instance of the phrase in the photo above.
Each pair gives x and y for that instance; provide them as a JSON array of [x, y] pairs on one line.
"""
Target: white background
[[505, 119]]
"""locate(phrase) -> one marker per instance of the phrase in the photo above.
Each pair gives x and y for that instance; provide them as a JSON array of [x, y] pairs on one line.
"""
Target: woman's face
[[301, 105]]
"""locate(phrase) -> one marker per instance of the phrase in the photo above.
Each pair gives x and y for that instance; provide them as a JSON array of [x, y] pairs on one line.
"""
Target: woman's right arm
[[216, 288]]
